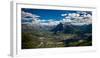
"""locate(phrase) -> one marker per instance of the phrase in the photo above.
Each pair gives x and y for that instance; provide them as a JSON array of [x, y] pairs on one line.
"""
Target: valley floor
[[44, 39]]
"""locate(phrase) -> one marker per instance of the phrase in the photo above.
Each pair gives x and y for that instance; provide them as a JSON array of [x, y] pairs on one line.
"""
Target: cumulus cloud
[[73, 14], [73, 18], [35, 19], [63, 14], [49, 22], [77, 15], [25, 16], [66, 20], [77, 19]]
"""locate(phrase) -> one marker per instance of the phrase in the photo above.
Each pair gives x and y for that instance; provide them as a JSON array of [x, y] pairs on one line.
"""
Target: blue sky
[[49, 14], [55, 15], [46, 14]]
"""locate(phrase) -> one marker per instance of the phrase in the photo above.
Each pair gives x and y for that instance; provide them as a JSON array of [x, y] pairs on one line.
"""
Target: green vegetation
[[45, 39], [29, 41], [59, 36]]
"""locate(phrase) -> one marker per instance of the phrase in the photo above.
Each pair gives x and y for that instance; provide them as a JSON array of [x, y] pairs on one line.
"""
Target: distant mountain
[[61, 27], [58, 28], [69, 28]]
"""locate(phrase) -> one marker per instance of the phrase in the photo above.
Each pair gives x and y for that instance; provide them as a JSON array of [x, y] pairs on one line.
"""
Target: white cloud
[[31, 16], [67, 17], [25, 14], [66, 20], [77, 15], [49, 22], [73, 14], [27, 18], [70, 14], [76, 19], [63, 14], [89, 15], [26, 23]]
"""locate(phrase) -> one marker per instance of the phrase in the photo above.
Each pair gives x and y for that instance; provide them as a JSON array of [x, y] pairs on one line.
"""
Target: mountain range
[[65, 28]]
